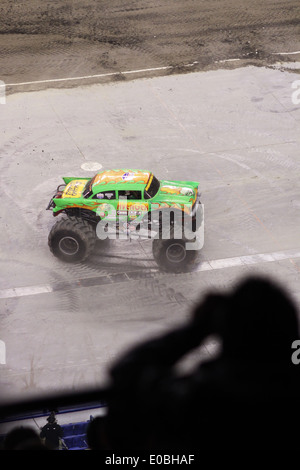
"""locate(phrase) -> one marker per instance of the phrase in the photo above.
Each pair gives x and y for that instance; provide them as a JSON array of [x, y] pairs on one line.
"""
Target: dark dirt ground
[[67, 38]]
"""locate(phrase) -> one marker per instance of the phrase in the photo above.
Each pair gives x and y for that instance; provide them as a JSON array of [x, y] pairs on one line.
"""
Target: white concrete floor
[[235, 131]]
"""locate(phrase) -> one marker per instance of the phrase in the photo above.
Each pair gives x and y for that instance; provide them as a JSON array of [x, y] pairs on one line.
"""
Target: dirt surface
[[42, 40]]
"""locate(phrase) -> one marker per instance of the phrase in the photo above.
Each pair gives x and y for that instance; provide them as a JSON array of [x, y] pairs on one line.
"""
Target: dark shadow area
[[244, 397]]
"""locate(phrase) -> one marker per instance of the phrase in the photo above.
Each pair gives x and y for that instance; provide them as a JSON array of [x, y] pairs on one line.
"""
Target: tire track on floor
[[151, 274]]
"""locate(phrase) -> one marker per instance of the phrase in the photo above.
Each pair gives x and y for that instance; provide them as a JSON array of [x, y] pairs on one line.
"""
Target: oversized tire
[[171, 255], [72, 239]]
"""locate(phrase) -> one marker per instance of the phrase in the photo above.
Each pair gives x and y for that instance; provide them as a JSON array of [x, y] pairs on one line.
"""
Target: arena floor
[[219, 108]]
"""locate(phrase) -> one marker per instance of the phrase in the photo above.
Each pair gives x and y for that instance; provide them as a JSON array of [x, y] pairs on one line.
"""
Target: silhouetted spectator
[[52, 433], [245, 397], [23, 438], [97, 434]]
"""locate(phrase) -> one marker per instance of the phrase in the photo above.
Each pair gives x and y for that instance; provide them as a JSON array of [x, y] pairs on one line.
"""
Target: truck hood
[[178, 192]]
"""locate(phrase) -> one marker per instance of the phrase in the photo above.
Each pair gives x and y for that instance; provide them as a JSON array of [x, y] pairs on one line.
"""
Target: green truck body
[[129, 201], [130, 193]]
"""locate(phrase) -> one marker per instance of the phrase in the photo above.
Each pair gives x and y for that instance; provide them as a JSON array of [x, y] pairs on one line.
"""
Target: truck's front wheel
[[72, 239], [172, 254]]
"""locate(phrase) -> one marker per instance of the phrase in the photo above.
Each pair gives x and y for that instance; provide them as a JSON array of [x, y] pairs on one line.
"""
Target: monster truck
[[133, 202]]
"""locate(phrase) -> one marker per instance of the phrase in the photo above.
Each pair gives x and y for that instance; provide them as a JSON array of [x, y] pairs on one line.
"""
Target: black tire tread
[[78, 226], [158, 250]]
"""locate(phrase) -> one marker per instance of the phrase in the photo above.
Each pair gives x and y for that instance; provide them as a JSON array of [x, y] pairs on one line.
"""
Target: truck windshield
[[152, 187], [88, 191]]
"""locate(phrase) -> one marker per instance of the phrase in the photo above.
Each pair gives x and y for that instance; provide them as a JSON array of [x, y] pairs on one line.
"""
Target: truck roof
[[122, 176]]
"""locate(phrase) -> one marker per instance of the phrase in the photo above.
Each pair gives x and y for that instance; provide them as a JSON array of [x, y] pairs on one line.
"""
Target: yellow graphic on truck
[[119, 176], [132, 209], [73, 189]]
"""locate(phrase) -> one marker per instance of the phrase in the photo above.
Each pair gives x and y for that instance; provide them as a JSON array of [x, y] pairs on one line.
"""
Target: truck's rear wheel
[[72, 239]]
